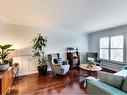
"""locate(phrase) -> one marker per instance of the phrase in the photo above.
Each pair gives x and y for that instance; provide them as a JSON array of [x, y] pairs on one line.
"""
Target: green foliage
[[90, 62], [42, 61], [5, 51], [39, 43], [70, 49]]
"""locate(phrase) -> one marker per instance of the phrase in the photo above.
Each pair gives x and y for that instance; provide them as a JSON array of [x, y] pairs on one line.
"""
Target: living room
[[74, 27]]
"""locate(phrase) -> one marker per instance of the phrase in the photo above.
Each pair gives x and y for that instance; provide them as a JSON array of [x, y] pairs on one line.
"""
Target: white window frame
[[117, 48], [109, 58], [104, 48]]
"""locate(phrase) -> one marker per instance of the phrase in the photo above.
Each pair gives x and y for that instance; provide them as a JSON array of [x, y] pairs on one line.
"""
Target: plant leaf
[[5, 46]]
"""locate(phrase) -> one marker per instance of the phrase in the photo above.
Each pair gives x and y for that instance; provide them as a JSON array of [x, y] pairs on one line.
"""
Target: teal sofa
[[96, 87]]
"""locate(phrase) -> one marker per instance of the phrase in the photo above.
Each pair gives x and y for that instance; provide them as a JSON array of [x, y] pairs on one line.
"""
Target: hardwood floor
[[34, 84]]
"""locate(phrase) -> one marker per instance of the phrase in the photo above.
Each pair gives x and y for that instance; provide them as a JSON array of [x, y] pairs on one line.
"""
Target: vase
[[4, 66]]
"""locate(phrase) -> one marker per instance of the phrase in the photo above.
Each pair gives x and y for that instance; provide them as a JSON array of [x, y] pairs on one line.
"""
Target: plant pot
[[4, 66], [42, 70]]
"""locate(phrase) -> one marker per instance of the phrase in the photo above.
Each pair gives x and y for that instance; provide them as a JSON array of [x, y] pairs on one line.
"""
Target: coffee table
[[94, 68]]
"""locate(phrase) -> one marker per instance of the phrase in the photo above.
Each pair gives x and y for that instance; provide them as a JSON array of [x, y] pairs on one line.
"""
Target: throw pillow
[[124, 87], [125, 67], [111, 79], [55, 61], [64, 62]]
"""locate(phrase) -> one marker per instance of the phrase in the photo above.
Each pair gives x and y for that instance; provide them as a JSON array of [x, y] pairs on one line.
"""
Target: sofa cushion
[[111, 79], [124, 86]]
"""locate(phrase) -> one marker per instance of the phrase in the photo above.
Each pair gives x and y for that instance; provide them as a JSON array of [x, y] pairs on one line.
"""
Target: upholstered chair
[[60, 69]]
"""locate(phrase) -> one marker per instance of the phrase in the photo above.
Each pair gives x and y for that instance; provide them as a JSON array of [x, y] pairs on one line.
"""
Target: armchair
[[58, 68]]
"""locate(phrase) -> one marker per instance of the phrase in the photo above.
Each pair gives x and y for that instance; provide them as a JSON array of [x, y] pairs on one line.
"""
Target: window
[[104, 48], [111, 48], [117, 48]]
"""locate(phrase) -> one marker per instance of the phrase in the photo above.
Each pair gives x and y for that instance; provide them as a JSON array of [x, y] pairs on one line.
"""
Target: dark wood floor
[[34, 84]]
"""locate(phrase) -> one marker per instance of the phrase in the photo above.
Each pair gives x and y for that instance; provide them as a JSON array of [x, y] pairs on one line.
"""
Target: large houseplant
[[4, 51], [39, 43]]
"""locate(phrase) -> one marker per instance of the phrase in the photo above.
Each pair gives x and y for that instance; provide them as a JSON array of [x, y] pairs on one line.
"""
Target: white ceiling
[[74, 15]]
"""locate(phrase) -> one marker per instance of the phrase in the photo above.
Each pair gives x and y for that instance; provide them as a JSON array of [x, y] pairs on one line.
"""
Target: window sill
[[115, 62]]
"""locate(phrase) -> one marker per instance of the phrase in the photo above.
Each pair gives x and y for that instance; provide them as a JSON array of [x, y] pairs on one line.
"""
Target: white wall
[[58, 39], [21, 37]]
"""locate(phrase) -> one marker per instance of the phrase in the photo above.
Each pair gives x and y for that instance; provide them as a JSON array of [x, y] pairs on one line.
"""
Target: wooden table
[[94, 68], [6, 79]]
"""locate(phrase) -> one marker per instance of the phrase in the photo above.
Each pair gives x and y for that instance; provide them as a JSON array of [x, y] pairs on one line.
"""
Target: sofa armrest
[[94, 86], [123, 73]]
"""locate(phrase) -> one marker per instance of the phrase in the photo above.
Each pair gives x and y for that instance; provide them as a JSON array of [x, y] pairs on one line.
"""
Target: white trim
[[124, 48]]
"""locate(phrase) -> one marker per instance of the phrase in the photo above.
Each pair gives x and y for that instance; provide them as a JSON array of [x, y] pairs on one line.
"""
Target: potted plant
[[39, 43], [4, 51], [90, 63], [70, 49]]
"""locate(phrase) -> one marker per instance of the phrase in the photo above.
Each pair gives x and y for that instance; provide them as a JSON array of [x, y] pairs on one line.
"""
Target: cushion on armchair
[[55, 61], [60, 62], [110, 79], [64, 62]]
